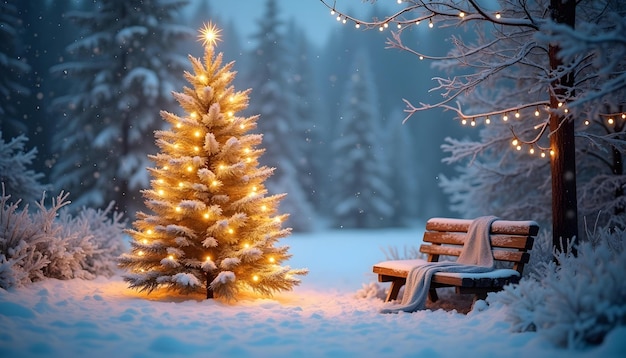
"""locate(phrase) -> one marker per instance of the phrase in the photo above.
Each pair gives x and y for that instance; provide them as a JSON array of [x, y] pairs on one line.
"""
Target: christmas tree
[[213, 226]]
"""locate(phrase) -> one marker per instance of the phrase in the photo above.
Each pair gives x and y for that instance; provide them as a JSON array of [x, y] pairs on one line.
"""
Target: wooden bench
[[510, 242]]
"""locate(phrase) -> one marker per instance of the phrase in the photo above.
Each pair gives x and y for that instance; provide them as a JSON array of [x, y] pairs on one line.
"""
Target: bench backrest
[[510, 240]]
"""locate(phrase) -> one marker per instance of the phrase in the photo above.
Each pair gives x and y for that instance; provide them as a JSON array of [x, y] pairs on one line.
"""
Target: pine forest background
[[92, 77]]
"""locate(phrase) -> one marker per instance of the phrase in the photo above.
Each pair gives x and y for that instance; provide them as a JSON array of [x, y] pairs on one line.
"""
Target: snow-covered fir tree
[[13, 72], [213, 226], [307, 133], [362, 196], [16, 174], [123, 71], [267, 74]]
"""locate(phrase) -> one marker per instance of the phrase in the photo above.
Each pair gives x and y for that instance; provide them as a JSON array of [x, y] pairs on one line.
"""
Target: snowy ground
[[320, 318]]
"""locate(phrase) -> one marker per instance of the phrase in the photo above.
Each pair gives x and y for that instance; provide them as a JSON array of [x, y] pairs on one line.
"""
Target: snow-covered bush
[[14, 173], [573, 301], [51, 243]]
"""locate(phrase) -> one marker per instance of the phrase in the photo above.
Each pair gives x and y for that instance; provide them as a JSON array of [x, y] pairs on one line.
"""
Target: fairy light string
[[401, 20]]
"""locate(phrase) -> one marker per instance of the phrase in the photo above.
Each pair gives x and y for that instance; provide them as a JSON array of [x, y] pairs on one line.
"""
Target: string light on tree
[[220, 183]]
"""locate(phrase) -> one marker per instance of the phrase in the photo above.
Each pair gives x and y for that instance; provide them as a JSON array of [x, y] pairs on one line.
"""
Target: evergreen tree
[[268, 76], [47, 33], [16, 177], [13, 72], [123, 71], [310, 164], [360, 169], [213, 225]]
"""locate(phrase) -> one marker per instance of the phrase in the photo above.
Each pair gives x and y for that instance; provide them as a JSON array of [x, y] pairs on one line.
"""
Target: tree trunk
[[563, 159]]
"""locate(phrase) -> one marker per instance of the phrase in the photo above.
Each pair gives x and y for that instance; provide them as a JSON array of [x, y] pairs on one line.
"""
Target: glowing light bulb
[[161, 192], [221, 167], [246, 245], [498, 15], [464, 121], [421, 57], [610, 120], [230, 113], [231, 99], [206, 215], [531, 150], [505, 117], [272, 260], [178, 209], [160, 181], [357, 25], [208, 258], [566, 110], [194, 115], [332, 12], [543, 154], [487, 120], [537, 112], [515, 142], [242, 126], [623, 115], [171, 257], [189, 168], [386, 25], [178, 125], [144, 241], [214, 183], [338, 18], [255, 278], [345, 19], [560, 104], [196, 149], [473, 122], [399, 26], [381, 29], [140, 253], [461, 14], [417, 22], [519, 147], [165, 167], [586, 122], [516, 114], [180, 185], [230, 231], [430, 23], [552, 152], [197, 133], [263, 207], [202, 78], [149, 232]]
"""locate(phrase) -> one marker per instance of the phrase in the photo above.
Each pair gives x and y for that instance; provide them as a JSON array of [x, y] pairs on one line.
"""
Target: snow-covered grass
[[321, 318]]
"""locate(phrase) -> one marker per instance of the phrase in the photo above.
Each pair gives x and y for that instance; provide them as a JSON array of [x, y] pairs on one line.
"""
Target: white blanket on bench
[[475, 257]]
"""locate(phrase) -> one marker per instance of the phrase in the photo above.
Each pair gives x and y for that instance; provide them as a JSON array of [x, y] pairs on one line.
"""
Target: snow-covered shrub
[[18, 180], [51, 243], [574, 301]]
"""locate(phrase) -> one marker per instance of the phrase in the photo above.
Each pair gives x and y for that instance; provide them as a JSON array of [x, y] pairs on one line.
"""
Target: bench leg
[[432, 294], [394, 289]]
